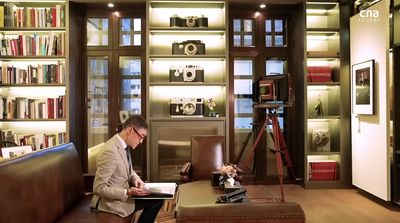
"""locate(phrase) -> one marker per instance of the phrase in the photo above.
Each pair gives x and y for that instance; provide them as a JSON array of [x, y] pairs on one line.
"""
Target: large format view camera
[[188, 73], [186, 107], [274, 87], [189, 21], [189, 47]]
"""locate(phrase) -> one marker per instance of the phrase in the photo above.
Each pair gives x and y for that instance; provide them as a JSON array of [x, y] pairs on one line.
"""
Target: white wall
[[369, 39]]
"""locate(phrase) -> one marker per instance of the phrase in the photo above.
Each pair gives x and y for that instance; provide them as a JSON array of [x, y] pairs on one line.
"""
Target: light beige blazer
[[112, 179]]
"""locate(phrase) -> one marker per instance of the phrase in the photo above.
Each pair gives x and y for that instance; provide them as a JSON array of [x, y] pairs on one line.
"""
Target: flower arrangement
[[229, 170]]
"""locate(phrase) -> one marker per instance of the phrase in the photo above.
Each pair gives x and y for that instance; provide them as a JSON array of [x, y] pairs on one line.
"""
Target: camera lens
[[190, 49]]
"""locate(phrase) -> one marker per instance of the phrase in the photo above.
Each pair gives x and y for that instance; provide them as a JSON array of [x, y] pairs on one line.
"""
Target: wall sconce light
[[256, 14]]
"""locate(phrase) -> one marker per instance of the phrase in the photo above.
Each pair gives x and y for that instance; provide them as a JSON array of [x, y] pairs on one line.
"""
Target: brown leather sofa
[[47, 186]]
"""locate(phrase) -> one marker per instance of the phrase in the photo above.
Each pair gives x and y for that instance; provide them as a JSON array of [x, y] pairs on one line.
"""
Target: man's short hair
[[137, 121]]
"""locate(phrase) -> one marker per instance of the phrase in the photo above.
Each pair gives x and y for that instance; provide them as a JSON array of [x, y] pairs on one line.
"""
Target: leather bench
[[196, 204], [47, 186]]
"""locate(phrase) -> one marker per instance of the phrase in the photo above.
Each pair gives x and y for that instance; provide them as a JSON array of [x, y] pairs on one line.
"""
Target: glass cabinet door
[[243, 92], [97, 111], [131, 86]]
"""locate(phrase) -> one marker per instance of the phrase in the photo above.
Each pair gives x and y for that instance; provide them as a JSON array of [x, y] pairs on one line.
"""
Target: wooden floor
[[332, 205], [319, 205]]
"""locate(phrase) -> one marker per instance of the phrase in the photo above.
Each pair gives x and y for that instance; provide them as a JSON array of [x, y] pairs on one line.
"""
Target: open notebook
[[158, 191]]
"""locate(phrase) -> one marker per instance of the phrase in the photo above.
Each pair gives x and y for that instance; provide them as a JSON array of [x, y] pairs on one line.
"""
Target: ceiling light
[[262, 6], [110, 5]]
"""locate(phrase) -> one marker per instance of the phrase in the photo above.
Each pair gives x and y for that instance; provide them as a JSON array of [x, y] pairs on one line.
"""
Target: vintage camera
[[186, 107], [189, 47], [274, 87], [189, 21], [188, 73], [236, 196]]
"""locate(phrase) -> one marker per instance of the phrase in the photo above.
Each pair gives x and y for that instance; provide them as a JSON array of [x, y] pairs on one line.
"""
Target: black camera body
[[189, 21], [233, 197], [188, 73], [189, 47], [186, 107], [274, 87]]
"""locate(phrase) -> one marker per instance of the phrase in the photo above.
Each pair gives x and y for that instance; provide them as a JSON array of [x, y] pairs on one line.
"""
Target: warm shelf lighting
[[110, 5], [316, 11]]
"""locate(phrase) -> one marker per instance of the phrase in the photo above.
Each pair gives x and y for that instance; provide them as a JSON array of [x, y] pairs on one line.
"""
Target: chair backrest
[[207, 154]]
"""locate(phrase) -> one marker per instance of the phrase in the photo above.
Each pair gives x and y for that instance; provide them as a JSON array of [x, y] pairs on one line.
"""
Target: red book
[[319, 74], [50, 108], [323, 170]]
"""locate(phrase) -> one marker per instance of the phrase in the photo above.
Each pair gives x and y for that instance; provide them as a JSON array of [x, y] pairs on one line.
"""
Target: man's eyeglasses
[[141, 137]]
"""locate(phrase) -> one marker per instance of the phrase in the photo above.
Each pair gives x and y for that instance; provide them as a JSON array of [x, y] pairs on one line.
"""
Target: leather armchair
[[207, 155]]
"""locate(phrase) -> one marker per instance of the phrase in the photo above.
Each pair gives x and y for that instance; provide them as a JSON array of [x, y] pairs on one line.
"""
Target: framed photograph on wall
[[362, 87]]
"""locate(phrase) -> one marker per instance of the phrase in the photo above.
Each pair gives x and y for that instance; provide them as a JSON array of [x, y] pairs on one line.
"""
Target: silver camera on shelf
[[189, 21], [186, 107], [189, 47], [188, 73]]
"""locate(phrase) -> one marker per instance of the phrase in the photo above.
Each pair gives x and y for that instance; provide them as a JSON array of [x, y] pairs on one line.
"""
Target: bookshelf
[[33, 80], [170, 79], [327, 82]]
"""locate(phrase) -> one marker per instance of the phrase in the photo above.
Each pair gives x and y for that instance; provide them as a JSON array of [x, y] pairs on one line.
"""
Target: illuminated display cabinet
[[327, 148], [187, 62], [33, 73]]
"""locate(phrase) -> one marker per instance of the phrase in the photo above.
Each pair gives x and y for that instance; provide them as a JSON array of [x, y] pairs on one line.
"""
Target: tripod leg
[[275, 130], [285, 151]]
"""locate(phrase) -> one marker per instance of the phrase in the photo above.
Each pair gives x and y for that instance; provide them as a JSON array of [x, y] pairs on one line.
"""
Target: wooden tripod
[[279, 147]]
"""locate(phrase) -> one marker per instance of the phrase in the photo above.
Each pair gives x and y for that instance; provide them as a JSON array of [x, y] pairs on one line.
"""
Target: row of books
[[323, 170], [31, 17], [33, 45], [37, 141], [28, 108], [319, 74], [33, 74]]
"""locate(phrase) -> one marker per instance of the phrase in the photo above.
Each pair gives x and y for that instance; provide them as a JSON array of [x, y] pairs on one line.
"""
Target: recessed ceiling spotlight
[[110, 5], [262, 6]]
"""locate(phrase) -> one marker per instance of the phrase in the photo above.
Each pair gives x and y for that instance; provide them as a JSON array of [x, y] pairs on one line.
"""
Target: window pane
[[243, 106], [97, 111], [137, 39], [125, 25], [247, 40], [268, 40], [97, 31], [248, 25], [278, 25], [243, 67], [131, 92], [268, 26], [243, 86], [278, 40], [243, 123], [274, 66], [130, 32], [236, 40], [126, 40], [137, 25], [236, 25]]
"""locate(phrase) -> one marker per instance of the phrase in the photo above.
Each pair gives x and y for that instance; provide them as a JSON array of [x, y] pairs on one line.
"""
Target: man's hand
[[137, 191], [139, 183]]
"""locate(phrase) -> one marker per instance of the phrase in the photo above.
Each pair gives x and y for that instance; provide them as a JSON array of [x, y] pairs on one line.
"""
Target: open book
[[158, 191]]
